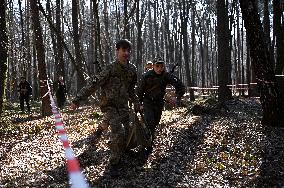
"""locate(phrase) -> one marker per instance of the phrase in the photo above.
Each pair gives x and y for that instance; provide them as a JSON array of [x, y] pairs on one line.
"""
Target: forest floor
[[206, 146]]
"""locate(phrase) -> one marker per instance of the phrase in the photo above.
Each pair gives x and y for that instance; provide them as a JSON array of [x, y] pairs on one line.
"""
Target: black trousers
[[152, 116], [60, 98], [23, 99]]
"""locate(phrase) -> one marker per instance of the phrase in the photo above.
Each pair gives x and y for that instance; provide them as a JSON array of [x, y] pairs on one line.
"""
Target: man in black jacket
[[25, 90], [60, 91], [151, 90]]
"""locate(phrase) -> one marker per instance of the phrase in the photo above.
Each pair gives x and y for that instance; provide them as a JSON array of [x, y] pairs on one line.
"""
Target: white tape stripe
[[63, 137], [57, 120], [69, 154], [77, 180], [55, 113], [59, 127]]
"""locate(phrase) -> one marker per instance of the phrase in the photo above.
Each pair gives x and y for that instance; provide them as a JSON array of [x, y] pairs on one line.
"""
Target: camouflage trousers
[[118, 120]]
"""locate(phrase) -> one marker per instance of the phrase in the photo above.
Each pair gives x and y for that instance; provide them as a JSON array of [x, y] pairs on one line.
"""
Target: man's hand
[[172, 101], [74, 106], [141, 108], [178, 103]]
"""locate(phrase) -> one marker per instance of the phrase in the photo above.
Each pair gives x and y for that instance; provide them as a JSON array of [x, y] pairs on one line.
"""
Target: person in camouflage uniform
[[151, 90], [117, 82]]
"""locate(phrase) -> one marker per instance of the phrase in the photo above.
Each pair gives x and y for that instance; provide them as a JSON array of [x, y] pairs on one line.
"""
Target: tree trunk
[[239, 73], [193, 64], [28, 47], [118, 19], [108, 49], [53, 39], [126, 33], [184, 20], [279, 32], [76, 38], [266, 23], [224, 92], [151, 32], [270, 98], [76, 64], [35, 76], [23, 50], [98, 46], [140, 16], [59, 52], [3, 51], [156, 29], [45, 108]]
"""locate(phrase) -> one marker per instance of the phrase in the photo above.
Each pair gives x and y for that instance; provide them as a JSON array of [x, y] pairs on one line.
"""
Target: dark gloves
[[178, 103], [175, 102]]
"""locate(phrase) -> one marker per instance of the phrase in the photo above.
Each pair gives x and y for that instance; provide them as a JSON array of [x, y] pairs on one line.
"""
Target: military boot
[[98, 133], [148, 150], [115, 166], [114, 171]]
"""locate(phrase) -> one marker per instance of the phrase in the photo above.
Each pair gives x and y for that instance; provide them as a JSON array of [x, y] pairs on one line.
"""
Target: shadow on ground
[[272, 167]]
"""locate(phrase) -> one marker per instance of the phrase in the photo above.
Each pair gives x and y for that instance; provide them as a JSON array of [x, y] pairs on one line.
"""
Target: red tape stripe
[[61, 131], [76, 178], [73, 166]]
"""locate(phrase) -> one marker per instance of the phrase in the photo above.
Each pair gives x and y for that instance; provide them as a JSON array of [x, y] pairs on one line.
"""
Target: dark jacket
[[60, 89], [152, 87], [24, 88]]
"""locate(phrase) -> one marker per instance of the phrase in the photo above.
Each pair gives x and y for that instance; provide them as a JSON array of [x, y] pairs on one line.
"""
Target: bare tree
[[3, 51], [97, 28], [184, 8], [23, 51], [279, 32], [224, 92], [193, 26], [76, 38], [59, 46], [270, 98], [45, 108], [139, 23], [106, 32]]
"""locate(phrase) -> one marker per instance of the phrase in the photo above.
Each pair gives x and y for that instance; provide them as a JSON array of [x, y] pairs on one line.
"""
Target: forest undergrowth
[[198, 145]]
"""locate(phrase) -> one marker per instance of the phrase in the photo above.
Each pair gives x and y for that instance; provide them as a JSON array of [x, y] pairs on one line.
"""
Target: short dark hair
[[123, 43]]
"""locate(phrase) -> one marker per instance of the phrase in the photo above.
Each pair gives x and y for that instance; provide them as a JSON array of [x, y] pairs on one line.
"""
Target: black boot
[[98, 133], [114, 171], [148, 150], [95, 136]]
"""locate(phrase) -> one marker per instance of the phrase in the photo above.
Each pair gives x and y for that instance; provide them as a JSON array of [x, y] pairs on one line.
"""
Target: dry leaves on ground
[[230, 149]]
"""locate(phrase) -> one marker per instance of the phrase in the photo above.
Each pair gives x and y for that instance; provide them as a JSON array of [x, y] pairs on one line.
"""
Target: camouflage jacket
[[152, 87], [116, 82]]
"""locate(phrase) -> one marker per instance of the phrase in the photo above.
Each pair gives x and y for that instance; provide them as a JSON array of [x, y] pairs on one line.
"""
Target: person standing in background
[[25, 90], [60, 92]]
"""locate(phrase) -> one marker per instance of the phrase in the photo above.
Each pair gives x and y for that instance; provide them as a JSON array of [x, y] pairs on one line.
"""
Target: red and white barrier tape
[[76, 178]]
